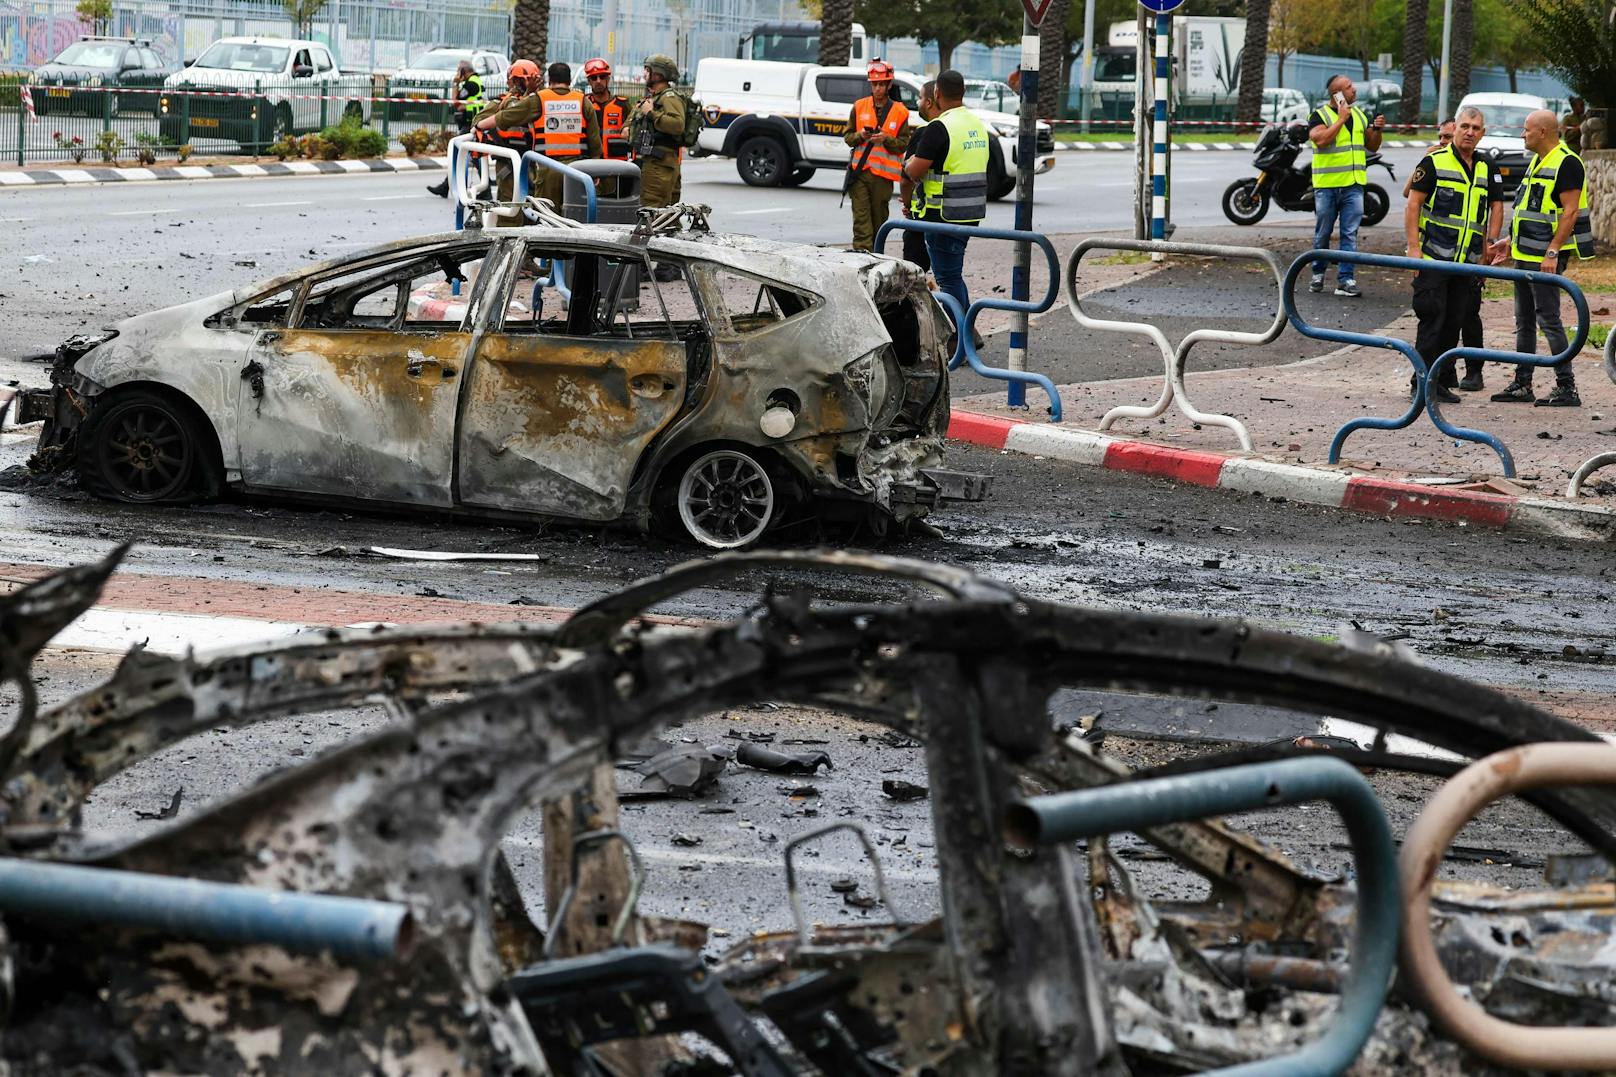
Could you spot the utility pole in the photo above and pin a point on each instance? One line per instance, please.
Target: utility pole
(1447, 45)
(1085, 80)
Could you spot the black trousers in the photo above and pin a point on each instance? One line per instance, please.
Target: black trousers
(914, 249)
(1448, 306)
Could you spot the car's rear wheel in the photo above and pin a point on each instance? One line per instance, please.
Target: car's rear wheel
(762, 161)
(142, 447)
(726, 499)
(799, 177)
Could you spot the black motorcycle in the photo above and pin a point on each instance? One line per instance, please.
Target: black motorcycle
(1246, 201)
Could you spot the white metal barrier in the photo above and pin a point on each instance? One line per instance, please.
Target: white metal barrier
(478, 158)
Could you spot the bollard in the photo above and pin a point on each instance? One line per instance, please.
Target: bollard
(1135, 805)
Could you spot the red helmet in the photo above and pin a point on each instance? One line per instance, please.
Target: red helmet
(878, 71)
(597, 66)
(524, 69)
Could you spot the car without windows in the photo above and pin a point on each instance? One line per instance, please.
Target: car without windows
(534, 371)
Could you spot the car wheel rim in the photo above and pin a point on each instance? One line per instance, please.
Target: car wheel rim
(146, 454)
(759, 164)
(726, 500)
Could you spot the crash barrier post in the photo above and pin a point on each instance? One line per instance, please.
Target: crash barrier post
(965, 321)
(1152, 802)
(348, 928)
(1426, 380)
(572, 176)
(1461, 797)
(1604, 459)
(1174, 360)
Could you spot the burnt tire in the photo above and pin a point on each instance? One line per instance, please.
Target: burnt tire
(1243, 203)
(144, 447)
(762, 161)
(1375, 205)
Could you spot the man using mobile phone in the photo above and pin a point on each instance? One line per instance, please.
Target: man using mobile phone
(877, 131)
(1343, 137)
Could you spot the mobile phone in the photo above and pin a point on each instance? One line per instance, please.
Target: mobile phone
(1340, 99)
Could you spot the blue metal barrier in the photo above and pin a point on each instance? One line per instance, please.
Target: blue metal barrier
(1424, 397)
(1151, 802)
(534, 157)
(349, 928)
(965, 321)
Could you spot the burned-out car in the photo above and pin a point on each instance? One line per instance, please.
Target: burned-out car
(537, 370)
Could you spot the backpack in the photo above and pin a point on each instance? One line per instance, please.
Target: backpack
(695, 121)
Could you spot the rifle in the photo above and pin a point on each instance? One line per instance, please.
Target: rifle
(854, 170)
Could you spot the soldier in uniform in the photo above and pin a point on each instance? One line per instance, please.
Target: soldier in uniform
(877, 131)
(566, 129)
(656, 127)
(509, 120)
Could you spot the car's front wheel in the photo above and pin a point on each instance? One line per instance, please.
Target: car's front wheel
(143, 447)
(726, 499)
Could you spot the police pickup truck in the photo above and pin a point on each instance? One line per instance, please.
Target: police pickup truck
(782, 121)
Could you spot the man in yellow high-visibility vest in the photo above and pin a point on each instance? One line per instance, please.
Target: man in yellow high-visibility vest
(950, 164)
(1342, 139)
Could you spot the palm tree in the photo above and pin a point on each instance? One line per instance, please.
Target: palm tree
(1414, 59)
(530, 30)
(1051, 53)
(835, 33)
(1253, 62)
(1464, 47)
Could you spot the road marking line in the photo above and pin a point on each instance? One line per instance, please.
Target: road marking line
(385, 197)
(139, 212)
(755, 212)
(266, 205)
(14, 220)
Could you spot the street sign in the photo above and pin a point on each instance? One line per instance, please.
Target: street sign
(1035, 10)
(1160, 7)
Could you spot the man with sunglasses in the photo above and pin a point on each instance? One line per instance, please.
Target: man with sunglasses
(613, 109)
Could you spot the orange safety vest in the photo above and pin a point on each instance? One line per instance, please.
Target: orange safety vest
(613, 118)
(880, 161)
(558, 129)
(519, 138)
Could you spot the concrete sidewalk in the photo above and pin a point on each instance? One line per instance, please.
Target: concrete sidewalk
(1293, 411)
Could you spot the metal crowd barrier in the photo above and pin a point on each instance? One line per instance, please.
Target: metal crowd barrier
(965, 321)
(1173, 360)
(1136, 805)
(1455, 804)
(573, 175)
(349, 928)
(462, 151)
(1604, 459)
(1423, 397)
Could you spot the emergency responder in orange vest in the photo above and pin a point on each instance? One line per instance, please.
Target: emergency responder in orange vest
(508, 121)
(612, 108)
(877, 130)
(566, 129)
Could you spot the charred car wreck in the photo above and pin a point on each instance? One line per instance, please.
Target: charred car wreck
(1045, 959)
(534, 371)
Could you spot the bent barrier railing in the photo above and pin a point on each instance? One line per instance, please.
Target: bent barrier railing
(465, 152)
(1151, 802)
(1455, 804)
(1174, 360)
(1604, 459)
(571, 175)
(965, 349)
(1423, 397)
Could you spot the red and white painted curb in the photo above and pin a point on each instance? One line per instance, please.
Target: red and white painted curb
(1294, 482)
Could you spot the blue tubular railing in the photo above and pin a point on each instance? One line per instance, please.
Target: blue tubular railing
(534, 157)
(348, 928)
(1153, 802)
(1424, 399)
(965, 348)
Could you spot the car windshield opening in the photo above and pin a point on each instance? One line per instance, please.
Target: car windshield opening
(1506, 120)
(91, 54)
(243, 56)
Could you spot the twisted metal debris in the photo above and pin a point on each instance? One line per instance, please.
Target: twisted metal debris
(1027, 971)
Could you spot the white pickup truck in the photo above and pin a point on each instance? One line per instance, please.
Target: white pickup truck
(287, 77)
(782, 121)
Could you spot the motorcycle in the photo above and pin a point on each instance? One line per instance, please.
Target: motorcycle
(1246, 201)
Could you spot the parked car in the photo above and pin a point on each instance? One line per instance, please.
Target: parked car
(1504, 144)
(1381, 96)
(991, 96)
(430, 75)
(783, 121)
(771, 381)
(1281, 104)
(99, 61)
(289, 86)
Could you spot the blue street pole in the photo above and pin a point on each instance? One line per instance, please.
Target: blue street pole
(1158, 159)
(1026, 157)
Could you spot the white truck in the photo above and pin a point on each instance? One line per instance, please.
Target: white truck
(783, 121)
(286, 79)
(1206, 59)
(794, 42)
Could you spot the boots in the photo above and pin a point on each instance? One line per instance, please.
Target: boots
(1563, 395)
(441, 188)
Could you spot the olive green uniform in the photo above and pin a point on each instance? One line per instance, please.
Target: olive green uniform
(510, 113)
(870, 194)
(655, 140)
(547, 182)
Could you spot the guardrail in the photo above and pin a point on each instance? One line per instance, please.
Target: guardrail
(1455, 804)
(1136, 805)
(350, 928)
(1423, 397)
(1174, 359)
(462, 151)
(1598, 460)
(965, 320)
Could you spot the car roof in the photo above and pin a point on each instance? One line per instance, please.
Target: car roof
(1495, 98)
(258, 40)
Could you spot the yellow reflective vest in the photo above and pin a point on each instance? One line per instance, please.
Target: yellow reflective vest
(1453, 220)
(1343, 163)
(1537, 213)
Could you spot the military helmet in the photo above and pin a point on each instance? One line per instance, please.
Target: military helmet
(663, 65)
